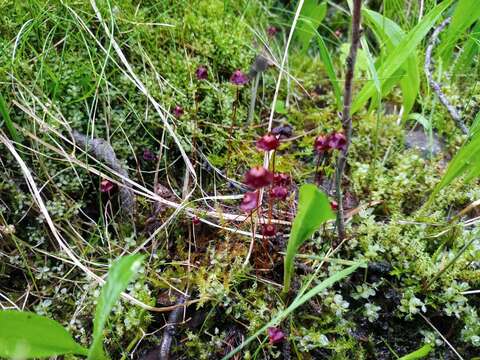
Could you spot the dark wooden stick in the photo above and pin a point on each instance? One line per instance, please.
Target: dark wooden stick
(169, 332)
(346, 116)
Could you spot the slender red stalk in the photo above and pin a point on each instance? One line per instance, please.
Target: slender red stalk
(270, 200)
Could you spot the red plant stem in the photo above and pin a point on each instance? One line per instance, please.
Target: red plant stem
(320, 161)
(253, 226)
(346, 116)
(270, 200)
(259, 206)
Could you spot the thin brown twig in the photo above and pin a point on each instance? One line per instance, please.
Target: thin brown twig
(346, 116)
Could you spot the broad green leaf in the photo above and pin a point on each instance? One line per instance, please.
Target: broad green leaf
(299, 301)
(327, 61)
(400, 53)
(311, 16)
(28, 335)
(418, 354)
(465, 14)
(313, 210)
(119, 277)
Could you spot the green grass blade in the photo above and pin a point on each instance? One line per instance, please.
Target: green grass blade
(470, 50)
(397, 57)
(327, 61)
(8, 121)
(295, 304)
(422, 120)
(475, 126)
(313, 210)
(311, 16)
(465, 14)
(465, 162)
(28, 335)
(418, 354)
(410, 86)
(371, 66)
(391, 34)
(119, 277)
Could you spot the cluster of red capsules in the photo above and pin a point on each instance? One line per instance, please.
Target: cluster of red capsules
(324, 144)
(260, 177)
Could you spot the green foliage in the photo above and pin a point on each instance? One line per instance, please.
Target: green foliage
(465, 14)
(475, 127)
(397, 57)
(297, 302)
(418, 354)
(329, 68)
(280, 107)
(8, 121)
(390, 34)
(311, 15)
(313, 210)
(120, 274)
(28, 335)
(466, 162)
(470, 49)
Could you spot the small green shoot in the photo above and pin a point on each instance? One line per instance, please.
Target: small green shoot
(119, 276)
(418, 354)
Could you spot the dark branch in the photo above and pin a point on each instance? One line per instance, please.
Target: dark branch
(346, 116)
